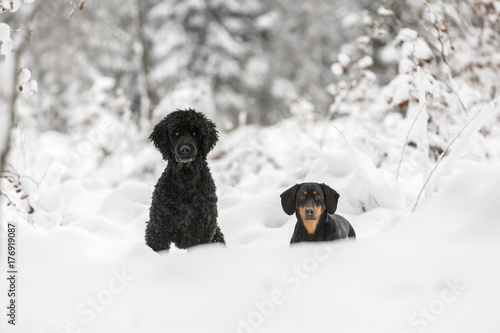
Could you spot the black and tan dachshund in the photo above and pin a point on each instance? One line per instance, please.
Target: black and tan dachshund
(314, 205)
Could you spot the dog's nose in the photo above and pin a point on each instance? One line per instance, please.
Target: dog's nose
(185, 150)
(309, 211)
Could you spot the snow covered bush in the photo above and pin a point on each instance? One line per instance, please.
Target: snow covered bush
(438, 50)
(403, 114)
(17, 81)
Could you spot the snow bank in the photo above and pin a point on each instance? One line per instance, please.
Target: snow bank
(435, 271)
(84, 267)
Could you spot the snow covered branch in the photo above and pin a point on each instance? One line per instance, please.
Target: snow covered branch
(16, 79)
(489, 107)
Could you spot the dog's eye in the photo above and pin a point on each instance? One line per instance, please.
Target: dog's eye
(194, 133)
(302, 197)
(317, 197)
(177, 133)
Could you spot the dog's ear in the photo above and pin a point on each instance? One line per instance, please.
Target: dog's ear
(161, 140)
(331, 199)
(288, 199)
(211, 136)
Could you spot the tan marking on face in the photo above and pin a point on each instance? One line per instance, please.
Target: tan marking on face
(312, 223)
(305, 192)
(314, 192)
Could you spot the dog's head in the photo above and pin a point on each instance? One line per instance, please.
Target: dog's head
(309, 200)
(184, 135)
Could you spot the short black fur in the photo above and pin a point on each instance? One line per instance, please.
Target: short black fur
(309, 197)
(184, 204)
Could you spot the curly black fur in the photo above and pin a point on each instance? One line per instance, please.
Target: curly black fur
(184, 204)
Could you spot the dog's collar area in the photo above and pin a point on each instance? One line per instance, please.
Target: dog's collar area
(310, 226)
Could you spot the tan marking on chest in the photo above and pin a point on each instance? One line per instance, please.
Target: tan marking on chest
(311, 224)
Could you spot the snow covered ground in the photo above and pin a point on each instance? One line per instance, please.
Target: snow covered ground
(83, 265)
(78, 201)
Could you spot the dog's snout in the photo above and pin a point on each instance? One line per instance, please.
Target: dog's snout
(185, 150)
(309, 210)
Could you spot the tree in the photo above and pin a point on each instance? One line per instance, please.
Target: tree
(18, 81)
(256, 56)
(208, 44)
(142, 62)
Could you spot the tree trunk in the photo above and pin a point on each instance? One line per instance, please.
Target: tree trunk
(142, 62)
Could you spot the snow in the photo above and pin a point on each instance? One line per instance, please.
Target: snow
(432, 270)
(365, 62)
(337, 69)
(83, 265)
(344, 59)
(442, 258)
(267, 21)
(5, 41)
(5, 71)
(255, 72)
(382, 11)
(188, 94)
(411, 47)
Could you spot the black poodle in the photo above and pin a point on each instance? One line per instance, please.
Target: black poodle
(184, 205)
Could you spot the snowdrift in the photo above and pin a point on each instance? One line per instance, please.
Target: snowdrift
(435, 271)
